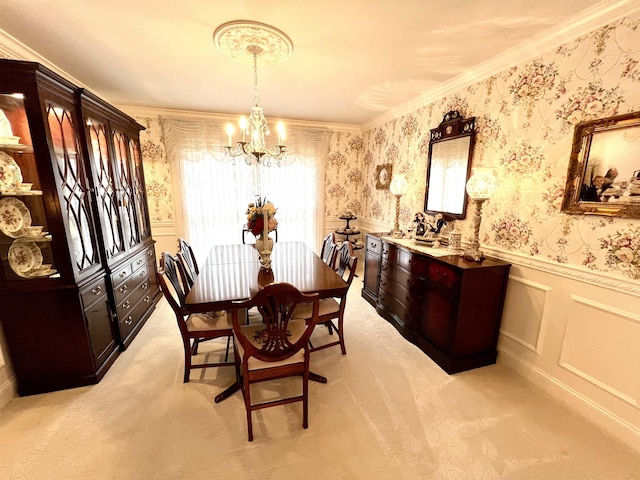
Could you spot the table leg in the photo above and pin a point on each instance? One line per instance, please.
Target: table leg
(228, 392)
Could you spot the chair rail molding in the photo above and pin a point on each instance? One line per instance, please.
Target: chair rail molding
(601, 279)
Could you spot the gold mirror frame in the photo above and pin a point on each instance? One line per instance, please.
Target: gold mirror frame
(383, 176)
(619, 137)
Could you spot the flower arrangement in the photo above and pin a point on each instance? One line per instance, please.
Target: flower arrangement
(255, 216)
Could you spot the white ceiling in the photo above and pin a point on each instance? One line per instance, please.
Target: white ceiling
(352, 61)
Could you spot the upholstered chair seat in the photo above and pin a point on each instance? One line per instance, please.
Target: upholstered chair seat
(254, 333)
(198, 322)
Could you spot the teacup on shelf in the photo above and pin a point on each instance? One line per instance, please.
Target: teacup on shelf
(24, 187)
(33, 231)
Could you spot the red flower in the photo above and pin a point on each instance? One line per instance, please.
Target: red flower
(257, 226)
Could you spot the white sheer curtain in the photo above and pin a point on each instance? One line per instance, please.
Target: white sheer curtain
(212, 193)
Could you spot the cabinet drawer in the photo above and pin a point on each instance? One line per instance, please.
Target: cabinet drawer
(129, 302)
(374, 245)
(129, 285)
(139, 261)
(129, 320)
(93, 292)
(408, 310)
(121, 275)
(412, 283)
(443, 275)
(399, 257)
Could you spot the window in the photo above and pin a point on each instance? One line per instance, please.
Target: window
(214, 192)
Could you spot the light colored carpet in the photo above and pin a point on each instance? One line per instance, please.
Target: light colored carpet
(388, 412)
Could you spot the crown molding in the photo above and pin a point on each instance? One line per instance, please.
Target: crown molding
(586, 21)
(223, 117)
(13, 48)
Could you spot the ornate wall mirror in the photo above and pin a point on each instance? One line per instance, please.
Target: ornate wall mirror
(450, 151)
(604, 169)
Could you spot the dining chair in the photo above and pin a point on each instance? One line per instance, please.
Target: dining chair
(194, 327)
(190, 271)
(331, 309)
(276, 348)
(329, 247)
(188, 260)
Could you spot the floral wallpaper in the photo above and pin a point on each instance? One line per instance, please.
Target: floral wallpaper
(525, 117)
(157, 172)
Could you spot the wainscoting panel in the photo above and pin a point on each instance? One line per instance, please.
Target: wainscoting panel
(601, 346)
(164, 233)
(524, 310)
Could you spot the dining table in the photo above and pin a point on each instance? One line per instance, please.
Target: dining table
(231, 273)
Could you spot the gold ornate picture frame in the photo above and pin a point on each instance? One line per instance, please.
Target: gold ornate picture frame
(605, 148)
(383, 176)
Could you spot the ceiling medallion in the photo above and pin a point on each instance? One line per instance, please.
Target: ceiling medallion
(241, 40)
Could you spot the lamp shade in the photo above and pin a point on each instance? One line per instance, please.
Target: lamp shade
(482, 183)
(398, 185)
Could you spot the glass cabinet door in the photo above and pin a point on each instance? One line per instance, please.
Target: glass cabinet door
(71, 177)
(127, 196)
(105, 188)
(139, 193)
(25, 243)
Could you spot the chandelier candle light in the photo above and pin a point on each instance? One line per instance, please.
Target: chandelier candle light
(249, 42)
(398, 187)
(480, 188)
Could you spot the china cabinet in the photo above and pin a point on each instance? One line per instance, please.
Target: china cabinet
(74, 229)
(447, 306)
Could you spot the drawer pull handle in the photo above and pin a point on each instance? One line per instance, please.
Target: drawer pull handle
(144, 286)
(123, 289)
(126, 305)
(123, 274)
(96, 290)
(146, 299)
(128, 320)
(139, 262)
(442, 274)
(142, 274)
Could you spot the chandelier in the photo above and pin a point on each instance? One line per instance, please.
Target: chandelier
(253, 42)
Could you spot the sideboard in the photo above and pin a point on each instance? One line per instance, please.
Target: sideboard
(447, 306)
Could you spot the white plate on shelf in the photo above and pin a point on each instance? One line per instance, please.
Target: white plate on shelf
(25, 258)
(10, 173)
(14, 216)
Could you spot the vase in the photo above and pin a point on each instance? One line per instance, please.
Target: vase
(264, 248)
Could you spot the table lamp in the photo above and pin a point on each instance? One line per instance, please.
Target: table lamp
(398, 187)
(480, 188)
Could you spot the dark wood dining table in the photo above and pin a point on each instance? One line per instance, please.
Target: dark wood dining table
(233, 272)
